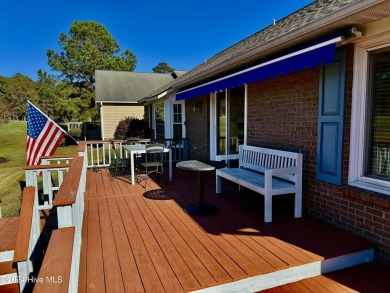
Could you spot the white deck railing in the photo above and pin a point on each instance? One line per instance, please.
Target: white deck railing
(100, 154)
(70, 210)
(63, 181)
(50, 177)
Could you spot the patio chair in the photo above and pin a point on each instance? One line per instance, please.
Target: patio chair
(153, 162)
(116, 161)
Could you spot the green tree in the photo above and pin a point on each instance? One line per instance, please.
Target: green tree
(5, 102)
(87, 47)
(163, 67)
(20, 89)
(54, 98)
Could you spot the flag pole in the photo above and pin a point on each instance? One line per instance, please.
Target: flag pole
(66, 133)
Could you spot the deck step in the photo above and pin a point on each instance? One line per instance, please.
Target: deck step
(9, 288)
(370, 277)
(295, 274)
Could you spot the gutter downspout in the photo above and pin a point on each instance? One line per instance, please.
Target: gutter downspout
(101, 120)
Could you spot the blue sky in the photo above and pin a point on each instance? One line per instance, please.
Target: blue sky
(181, 33)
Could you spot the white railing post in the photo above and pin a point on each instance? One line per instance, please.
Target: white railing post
(64, 216)
(70, 210)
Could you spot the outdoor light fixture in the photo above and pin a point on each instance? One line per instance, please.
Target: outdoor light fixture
(198, 106)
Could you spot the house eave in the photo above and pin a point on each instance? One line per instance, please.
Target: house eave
(117, 102)
(155, 97)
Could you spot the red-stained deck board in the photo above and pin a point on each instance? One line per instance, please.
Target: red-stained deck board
(8, 232)
(112, 272)
(131, 278)
(95, 269)
(177, 263)
(187, 253)
(83, 252)
(162, 266)
(145, 266)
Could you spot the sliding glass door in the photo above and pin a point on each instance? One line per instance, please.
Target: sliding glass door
(230, 120)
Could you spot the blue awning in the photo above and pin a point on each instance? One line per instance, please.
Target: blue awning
(310, 57)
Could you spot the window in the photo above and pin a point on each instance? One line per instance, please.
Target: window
(168, 119)
(227, 121)
(369, 162)
(378, 111)
(159, 121)
(177, 121)
(230, 123)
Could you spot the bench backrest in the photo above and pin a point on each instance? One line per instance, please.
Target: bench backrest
(259, 159)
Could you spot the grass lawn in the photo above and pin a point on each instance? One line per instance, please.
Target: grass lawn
(13, 138)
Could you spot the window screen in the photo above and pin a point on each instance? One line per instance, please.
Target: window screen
(177, 121)
(160, 121)
(378, 156)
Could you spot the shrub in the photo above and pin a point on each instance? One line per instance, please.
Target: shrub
(122, 127)
(138, 128)
(75, 133)
(132, 127)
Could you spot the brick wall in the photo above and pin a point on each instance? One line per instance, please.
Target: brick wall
(283, 113)
(198, 128)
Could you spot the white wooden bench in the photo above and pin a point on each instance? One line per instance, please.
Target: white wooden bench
(266, 171)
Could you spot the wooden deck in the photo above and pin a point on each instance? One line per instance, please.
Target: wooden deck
(139, 239)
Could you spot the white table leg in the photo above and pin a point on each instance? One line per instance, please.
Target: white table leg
(170, 165)
(132, 168)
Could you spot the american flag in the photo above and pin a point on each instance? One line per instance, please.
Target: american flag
(43, 135)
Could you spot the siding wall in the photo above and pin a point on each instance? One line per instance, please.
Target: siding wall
(113, 113)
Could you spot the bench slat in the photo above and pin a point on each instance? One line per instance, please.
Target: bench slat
(254, 178)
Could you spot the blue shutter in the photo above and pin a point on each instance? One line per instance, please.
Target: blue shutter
(331, 120)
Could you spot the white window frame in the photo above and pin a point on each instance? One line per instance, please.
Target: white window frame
(358, 117)
(213, 121)
(154, 125)
(168, 117)
(173, 103)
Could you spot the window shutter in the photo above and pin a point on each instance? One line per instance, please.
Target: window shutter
(331, 120)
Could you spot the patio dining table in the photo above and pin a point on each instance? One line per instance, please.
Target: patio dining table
(136, 149)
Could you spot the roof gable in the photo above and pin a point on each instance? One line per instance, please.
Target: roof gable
(127, 87)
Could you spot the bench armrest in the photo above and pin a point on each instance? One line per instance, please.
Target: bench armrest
(227, 157)
(283, 171)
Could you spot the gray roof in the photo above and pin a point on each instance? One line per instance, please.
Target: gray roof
(127, 87)
(178, 73)
(315, 20)
(153, 95)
